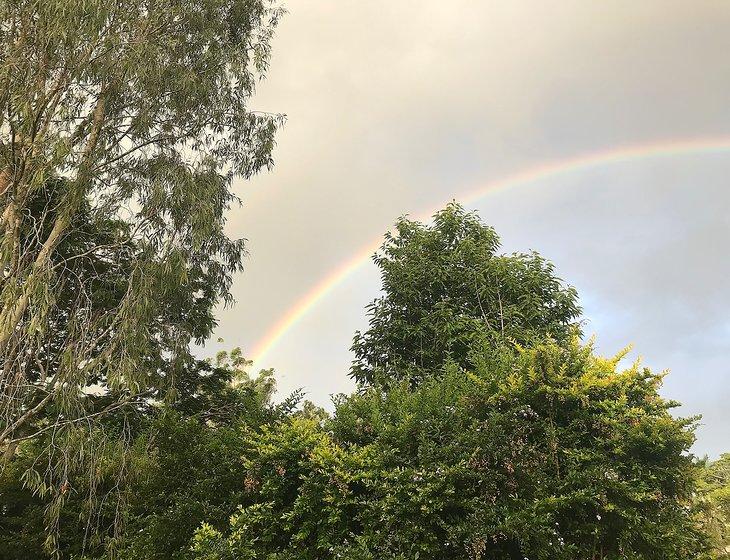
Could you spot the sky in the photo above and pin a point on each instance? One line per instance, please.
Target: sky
(395, 107)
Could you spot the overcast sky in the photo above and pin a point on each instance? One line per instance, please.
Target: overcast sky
(394, 106)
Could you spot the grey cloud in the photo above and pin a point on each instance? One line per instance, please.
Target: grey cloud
(395, 106)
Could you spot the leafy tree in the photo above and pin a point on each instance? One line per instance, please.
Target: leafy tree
(184, 463)
(482, 429)
(545, 453)
(141, 108)
(196, 445)
(22, 528)
(446, 287)
(99, 257)
(713, 497)
(122, 125)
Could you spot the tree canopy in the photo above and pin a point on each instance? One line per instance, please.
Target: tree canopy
(482, 427)
(545, 453)
(444, 287)
(524, 444)
(179, 469)
(713, 496)
(137, 113)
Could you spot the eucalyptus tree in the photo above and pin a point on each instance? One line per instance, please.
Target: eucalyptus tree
(186, 463)
(141, 109)
(138, 112)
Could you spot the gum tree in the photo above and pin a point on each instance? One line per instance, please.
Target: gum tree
(122, 126)
(140, 109)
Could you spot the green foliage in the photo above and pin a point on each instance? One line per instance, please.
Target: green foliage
(445, 289)
(192, 478)
(82, 512)
(99, 258)
(713, 497)
(547, 453)
(182, 467)
(196, 474)
(482, 430)
(140, 109)
(122, 125)
(22, 530)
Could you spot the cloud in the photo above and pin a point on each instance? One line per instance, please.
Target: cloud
(395, 105)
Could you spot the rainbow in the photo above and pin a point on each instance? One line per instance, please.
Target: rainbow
(547, 170)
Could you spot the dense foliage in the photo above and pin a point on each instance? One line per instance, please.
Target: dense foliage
(483, 443)
(713, 497)
(482, 428)
(182, 469)
(546, 453)
(136, 114)
(445, 287)
(503, 450)
(539, 450)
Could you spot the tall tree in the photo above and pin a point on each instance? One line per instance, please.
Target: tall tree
(482, 430)
(138, 109)
(446, 288)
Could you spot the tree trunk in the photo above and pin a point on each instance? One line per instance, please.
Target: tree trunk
(10, 319)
